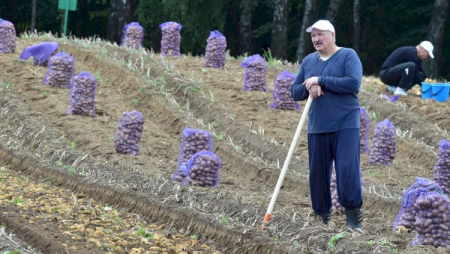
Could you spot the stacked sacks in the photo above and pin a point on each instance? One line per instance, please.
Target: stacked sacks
(41, 52)
(215, 50)
(202, 169)
(82, 94)
(133, 35)
(7, 37)
(255, 73)
(192, 142)
(384, 144)
(442, 167)
(171, 38)
(406, 217)
(282, 98)
(60, 70)
(336, 206)
(364, 129)
(129, 133)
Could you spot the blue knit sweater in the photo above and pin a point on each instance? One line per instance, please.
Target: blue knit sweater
(340, 78)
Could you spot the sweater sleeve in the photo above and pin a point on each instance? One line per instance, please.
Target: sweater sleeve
(350, 82)
(298, 90)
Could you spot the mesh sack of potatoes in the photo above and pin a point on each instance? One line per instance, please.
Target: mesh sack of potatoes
(282, 97)
(384, 144)
(133, 35)
(171, 38)
(192, 142)
(432, 218)
(255, 73)
(406, 217)
(41, 52)
(82, 94)
(215, 50)
(60, 70)
(336, 206)
(364, 129)
(202, 169)
(442, 168)
(129, 133)
(7, 37)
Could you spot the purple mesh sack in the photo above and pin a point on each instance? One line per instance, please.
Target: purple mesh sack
(7, 37)
(442, 168)
(282, 98)
(384, 144)
(215, 50)
(129, 133)
(202, 169)
(133, 35)
(60, 70)
(82, 94)
(192, 142)
(406, 217)
(364, 129)
(336, 206)
(432, 219)
(171, 38)
(41, 52)
(255, 73)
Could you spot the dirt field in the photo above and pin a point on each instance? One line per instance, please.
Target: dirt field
(40, 140)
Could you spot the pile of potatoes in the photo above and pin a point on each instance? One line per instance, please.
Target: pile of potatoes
(336, 206)
(432, 219)
(60, 70)
(384, 144)
(442, 167)
(202, 169)
(82, 94)
(129, 133)
(7, 37)
(133, 35)
(364, 129)
(255, 73)
(282, 97)
(192, 142)
(215, 50)
(171, 38)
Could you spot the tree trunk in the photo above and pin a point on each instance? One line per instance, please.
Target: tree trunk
(33, 16)
(356, 25)
(278, 41)
(245, 27)
(435, 35)
(119, 15)
(302, 40)
(333, 11)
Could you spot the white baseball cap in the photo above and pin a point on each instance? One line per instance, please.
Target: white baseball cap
(322, 24)
(428, 47)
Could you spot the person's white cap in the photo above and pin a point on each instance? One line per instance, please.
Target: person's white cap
(428, 47)
(323, 25)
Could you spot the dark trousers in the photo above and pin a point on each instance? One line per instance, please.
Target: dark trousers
(401, 75)
(342, 147)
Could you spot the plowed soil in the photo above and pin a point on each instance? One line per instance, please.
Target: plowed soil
(76, 153)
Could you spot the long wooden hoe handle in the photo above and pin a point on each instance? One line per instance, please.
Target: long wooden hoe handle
(287, 162)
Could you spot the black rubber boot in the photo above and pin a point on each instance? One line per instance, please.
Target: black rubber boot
(354, 219)
(325, 218)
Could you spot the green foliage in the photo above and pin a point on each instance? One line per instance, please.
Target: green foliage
(143, 232)
(18, 201)
(335, 239)
(12, 252)
(224, 220)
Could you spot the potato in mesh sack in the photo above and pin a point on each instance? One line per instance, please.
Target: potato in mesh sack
(442, 168)
(41, 52)
(202, 169)
(171, 38)
(255, 73)
(7, 37)
(129, 133)
(60, 70)
(215, 50)
(384, 144)
(282, 97)
(336, 205)
(133, 35)
(364, 129)
(82, 94)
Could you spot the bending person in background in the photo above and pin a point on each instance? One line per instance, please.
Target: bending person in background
(332, 76)
(403, 67)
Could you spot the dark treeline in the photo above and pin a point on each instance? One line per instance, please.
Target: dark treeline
(253, 26)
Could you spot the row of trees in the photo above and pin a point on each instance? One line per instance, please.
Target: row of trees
(372, 27)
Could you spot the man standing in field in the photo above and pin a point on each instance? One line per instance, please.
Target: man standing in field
(403, 67)
(332, 76)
